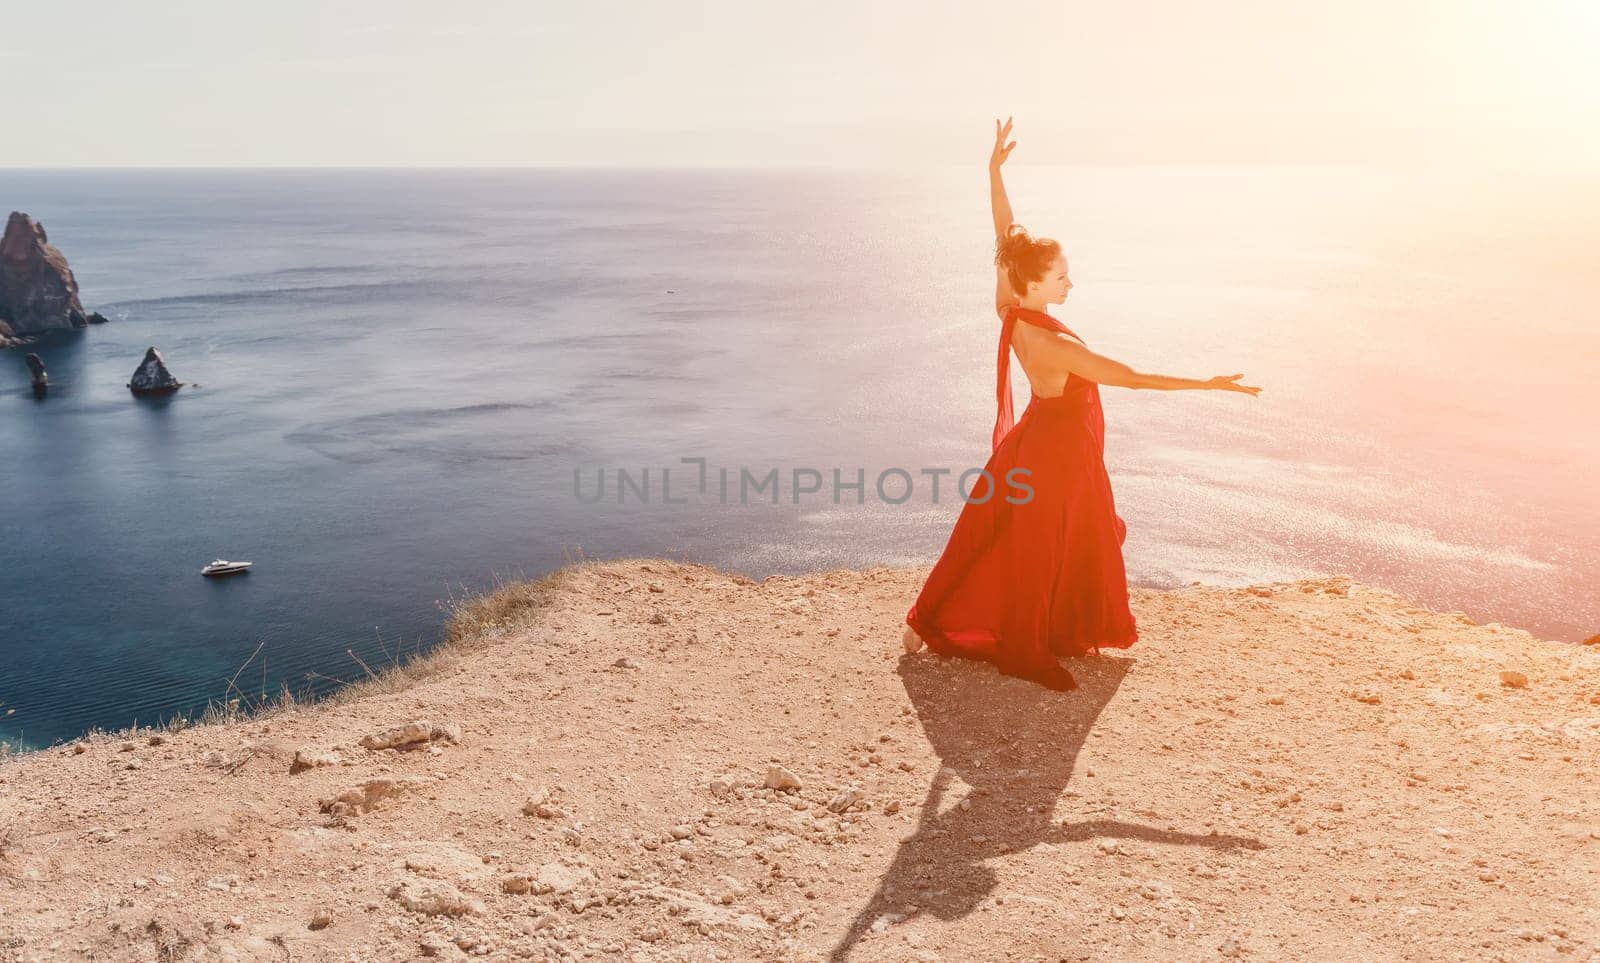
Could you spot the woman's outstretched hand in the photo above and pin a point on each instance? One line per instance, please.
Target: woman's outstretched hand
(1229, 383)
(1001, 149)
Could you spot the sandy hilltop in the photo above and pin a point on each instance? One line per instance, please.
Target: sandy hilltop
(647, 760)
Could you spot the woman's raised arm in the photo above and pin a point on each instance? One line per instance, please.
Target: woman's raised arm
(1000, 207)
(998, 204)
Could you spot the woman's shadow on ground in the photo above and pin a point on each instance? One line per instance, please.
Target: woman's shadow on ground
(1015, 744)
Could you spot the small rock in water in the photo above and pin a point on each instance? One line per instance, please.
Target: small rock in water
(37, 374)
(152, 376)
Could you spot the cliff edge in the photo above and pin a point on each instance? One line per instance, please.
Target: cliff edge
(647, 760)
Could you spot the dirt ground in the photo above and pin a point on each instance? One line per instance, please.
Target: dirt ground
(1315, 770)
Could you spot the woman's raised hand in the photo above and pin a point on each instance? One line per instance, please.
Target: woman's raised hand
(1229, 383)
(1001, 149)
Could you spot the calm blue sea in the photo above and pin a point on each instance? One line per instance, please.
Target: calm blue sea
(396, 374)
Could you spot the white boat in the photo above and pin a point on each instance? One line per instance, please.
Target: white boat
(222, 566)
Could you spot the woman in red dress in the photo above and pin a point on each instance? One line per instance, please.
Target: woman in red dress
(1033, 570)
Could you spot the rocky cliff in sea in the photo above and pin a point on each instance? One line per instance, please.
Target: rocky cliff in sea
(37, 290)
(152, 376)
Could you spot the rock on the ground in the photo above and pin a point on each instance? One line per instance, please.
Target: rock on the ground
(152, 376)
(551, 878)
(780, 778)
(411, 735)
(846, 797)
(443, 860)
(541, 803)
(37, 290)
(407, 734)
(311, 759)
(365, 797)
(560, 878)
(433, 897)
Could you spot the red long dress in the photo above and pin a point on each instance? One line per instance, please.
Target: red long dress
(1020, 584)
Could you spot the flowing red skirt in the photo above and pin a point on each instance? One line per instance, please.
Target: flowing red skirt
(1022, 584)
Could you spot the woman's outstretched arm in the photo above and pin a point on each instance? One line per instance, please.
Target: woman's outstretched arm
(1072, 355)
(1000, 207)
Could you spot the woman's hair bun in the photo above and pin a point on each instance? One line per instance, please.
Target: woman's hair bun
(1024, 257)
(1012, 245)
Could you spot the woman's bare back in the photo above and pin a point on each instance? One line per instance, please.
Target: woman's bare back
(1046, 380)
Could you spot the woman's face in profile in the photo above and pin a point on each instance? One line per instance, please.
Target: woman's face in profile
(1055, 284)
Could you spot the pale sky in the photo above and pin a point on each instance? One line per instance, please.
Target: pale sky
(802, 82)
